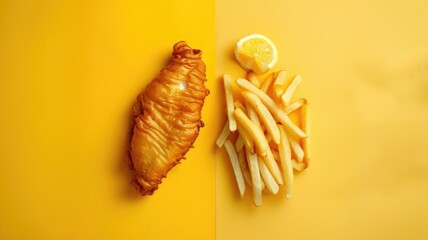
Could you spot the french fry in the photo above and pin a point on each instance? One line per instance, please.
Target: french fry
(223, 135)
(235, 165)
(267, 177)
(248, 141)
(295, 105)
(298, 166)
(238, 104)
(273, 166)
(244, 167)
(286, 164)
(286, 97)
(239, 144)
(264, 114)
(252, 130)
(240, 141)
(279, 84)
(267, 82)
(229, 102)
(296, 149)
(275, 154)
(276, 111)
(255, 177)
(270, 161)
(263, 184)
(306, 126)
(251, 76)
(253, 115)
(269, 147)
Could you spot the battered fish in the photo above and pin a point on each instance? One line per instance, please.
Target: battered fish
(168, 118)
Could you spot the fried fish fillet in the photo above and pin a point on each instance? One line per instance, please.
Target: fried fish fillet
(167, 118)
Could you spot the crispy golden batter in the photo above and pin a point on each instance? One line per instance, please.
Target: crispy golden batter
(168, 118)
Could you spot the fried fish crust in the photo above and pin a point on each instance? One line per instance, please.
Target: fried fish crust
(167, 118)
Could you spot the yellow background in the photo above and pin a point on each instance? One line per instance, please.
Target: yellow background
(364, 66)
(70, 72)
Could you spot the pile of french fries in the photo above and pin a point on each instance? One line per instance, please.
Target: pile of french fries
(269, 146)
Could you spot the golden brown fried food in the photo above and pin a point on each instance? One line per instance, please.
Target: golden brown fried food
(168, 118)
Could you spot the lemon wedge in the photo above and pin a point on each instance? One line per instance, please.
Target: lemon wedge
(256, 52)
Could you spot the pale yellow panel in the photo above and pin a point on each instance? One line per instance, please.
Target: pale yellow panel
(69, 74)
(364, 66)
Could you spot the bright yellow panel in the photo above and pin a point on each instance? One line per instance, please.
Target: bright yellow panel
(364, 66)
(69, 74)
